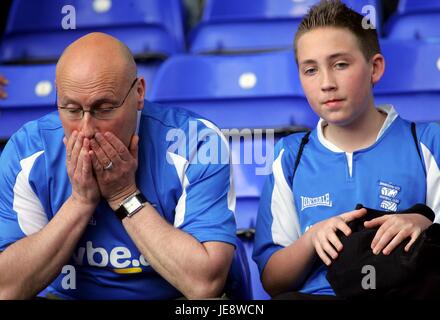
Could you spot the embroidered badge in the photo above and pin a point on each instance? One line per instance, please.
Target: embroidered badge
(388, 193)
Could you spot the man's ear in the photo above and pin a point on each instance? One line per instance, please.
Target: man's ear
(140, 93)
(378, 68)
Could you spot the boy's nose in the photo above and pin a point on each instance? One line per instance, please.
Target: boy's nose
(328, 82)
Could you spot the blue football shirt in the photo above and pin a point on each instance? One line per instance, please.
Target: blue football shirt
(183, 171)
(389, 175)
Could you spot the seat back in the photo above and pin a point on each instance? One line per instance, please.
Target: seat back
(413, 6)
(238, 284)
(31, 94)
(415, 19)
(40, 30)
(236, 91)
(414, 89)
(258, 25)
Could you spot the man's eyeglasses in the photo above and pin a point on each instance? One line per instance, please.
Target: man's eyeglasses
(104, 111)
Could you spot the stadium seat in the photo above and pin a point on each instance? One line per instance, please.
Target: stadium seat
(238, 284)
(415, 19)
(258, 292)
(31, 94)
(243, 91)
(252, 157)
(412, 79)
(148, 70)
(255, 25)
(36, 31)
(248, 186)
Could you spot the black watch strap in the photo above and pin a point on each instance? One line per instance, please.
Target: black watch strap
(122, 213)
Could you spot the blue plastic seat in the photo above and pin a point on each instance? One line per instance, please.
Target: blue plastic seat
(244, 91)
(258, 292)
(34, 31)
(31, 94)
(412, 79)
(412, 6)
(238, 284)
(255, 25)
(415, 19)
(148, 70)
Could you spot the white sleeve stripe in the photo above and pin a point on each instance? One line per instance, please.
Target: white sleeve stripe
(231, 192)
(285, 225)
(211, 126)
(181, 164)
(30, 213)
(432, 182)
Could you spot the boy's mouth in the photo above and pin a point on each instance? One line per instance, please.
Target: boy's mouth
(333, 102)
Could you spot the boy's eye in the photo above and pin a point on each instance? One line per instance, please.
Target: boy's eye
(309, 71)
(341, 65)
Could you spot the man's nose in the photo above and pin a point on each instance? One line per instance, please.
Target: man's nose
(88, 126)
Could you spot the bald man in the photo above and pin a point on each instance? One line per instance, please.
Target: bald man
(96, 202)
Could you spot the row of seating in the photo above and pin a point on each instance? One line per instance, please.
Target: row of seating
(237, 91)
(39, 31)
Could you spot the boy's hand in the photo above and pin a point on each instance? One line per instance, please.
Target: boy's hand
(394, 228)
(324, 238)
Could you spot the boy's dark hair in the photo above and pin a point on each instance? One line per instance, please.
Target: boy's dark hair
(334, 13)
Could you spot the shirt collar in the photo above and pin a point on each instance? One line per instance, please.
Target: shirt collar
(387, 108)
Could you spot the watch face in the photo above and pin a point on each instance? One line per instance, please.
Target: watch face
(132, 204)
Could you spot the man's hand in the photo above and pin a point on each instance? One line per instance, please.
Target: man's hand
(394, 228)
(119, 181)
(3, 82)
(324, 238)
(79, 168)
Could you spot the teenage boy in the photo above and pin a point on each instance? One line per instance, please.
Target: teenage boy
(358, 153)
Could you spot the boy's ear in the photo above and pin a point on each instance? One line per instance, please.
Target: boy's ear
(378, 66)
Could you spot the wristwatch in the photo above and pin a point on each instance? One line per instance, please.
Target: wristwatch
(131, 205)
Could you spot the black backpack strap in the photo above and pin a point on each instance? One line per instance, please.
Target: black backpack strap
(416, 141)
(304, 141)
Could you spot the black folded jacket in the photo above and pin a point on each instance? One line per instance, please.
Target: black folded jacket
(413, 274)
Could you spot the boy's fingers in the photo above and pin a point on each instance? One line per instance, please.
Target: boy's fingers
(375, 222)
(383, 240)
(352, 215)
(329, 250)
(334, 240)
(411, 242)
(398, 238)
(322, 254)
(344, 228)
